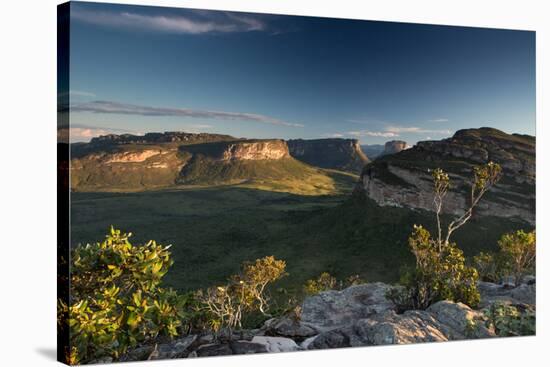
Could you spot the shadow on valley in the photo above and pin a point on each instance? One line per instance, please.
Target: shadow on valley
(213, 230)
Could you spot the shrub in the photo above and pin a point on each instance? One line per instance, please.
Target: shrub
(510, 320)
(440, 272)
(116, 298)
(245, 292)
(326, 282)
(518, 251)
(488, 266)
(438, 275)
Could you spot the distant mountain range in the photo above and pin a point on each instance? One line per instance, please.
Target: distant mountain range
(162, 160)
(399, 176)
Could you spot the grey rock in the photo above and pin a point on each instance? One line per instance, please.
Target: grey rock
(525, 293)
(491, 293)
(176, 349)
(209, 350)
(461, 320)
(288, 327)
(246, 347)
(275, 344)
(440, 322)
(332, 309)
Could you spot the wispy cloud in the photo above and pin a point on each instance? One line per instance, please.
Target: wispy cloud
(194, 23)
(83, 133)
(377, 134)
(415, 130)
(76, 93)
(439, 120)
(109, 107)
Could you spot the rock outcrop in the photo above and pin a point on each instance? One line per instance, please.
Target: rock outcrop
(354, 317)
(404, 179)
(242, 150)
(331, 309)
(394, 146)
(340, 154)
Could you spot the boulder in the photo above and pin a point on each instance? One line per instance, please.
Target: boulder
(381, 329)
(209, 350)
(333, 309)
(246, 347)
(491, 293)
(442, 321)
(175, 349)
(525, 293)
(276, 344)
(288, 327)
(461, 320)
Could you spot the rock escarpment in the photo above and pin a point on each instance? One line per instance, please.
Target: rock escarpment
(394, 146)
(340, 154)
(240, 150)
(404, 179)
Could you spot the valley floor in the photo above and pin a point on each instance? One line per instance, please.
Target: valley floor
(213, 230)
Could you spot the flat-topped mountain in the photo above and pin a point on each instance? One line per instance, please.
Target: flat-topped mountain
(167, 160)
(341, 154)
(394, 146)
(404, 179)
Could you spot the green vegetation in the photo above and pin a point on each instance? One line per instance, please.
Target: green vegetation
(117, 301)
(226, 305)
(326, 282)
(518, 251)
(116, 298)
(510, 320)
(213, 230)
(440, 272)
(282, 175)
(516, 257)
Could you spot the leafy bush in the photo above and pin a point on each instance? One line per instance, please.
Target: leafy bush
(510, 320)
(488, 266)
(441, 272)
(518, 251)
(116, 298)
(326, 282)
(438, 275)
(244, 293)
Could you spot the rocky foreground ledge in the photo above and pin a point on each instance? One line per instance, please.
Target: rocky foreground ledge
(356, 316)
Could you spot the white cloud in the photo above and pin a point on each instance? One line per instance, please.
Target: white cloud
(109, 107)
(200, 23)
(439, 120)
(379, 134)
(416, 130)
(76, 93)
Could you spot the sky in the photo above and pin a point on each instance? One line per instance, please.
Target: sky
(136, 69)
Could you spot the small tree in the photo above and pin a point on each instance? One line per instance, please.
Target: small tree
(326, 282)
(440, 271)
(484, 178)
(518, 251)
(244, 292)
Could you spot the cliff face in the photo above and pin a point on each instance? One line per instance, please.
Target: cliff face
(241, 150)
(153, 161)
(404, 179)
(394, 146)
(341, 154)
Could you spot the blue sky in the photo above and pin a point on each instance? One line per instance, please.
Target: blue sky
(140, 69)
